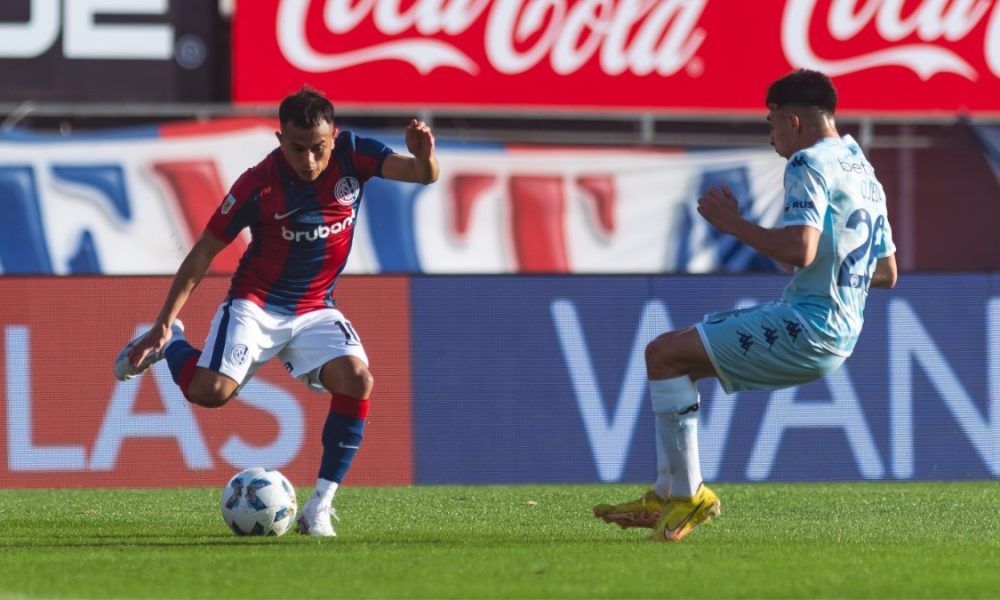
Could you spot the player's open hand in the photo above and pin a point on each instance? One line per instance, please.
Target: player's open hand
(155, 339)
(720, 207)
(419, 139)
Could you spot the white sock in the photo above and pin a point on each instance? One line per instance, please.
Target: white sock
(325, 489)
(675, 404)
(680, 433)
(662, 485)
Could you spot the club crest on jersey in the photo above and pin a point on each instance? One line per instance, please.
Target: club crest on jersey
(238, 354)
(347, 191)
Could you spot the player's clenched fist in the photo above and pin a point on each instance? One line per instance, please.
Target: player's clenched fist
(419, 139)
(719, 207)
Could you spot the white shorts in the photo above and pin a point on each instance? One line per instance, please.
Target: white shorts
(244, 336)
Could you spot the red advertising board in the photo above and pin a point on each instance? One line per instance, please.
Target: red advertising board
(896, 56)
(66, 422)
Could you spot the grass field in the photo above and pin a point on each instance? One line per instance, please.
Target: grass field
(841, 540)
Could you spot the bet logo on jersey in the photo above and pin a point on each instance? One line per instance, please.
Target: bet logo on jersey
(347, 191)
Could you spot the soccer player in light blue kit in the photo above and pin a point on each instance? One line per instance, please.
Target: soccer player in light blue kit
(835, 235)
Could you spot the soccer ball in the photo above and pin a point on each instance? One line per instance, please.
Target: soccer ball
(259, 501)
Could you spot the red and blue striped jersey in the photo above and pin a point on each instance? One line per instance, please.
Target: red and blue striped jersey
(301, 232)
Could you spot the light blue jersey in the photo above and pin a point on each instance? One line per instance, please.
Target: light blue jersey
(831, 187)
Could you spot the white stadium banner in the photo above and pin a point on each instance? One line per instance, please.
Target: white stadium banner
(133, 202)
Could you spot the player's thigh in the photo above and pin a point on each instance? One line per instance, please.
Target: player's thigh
(241, 338)
(764, 347)
(322, 337)
(677, 353)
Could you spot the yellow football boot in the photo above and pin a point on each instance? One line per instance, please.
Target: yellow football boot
(644, 512)
(681, 515)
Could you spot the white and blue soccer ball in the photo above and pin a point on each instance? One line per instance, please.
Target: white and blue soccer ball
(259, 501)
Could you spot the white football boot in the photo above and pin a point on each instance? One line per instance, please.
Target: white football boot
(124, 369)
(315, 518)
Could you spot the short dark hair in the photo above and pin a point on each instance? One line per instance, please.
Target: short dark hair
(803, 88)
(306, 108)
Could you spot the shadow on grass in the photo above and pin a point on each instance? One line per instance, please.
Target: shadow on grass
(223, 539)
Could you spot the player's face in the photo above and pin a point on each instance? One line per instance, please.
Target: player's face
(784, 130)
(307, 150)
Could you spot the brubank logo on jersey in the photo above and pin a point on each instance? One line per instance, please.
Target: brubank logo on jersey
(347, 191)
(319, 232)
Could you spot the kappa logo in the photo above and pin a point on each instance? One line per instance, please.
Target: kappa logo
(770, 336)
(793, 329)
(347, 191)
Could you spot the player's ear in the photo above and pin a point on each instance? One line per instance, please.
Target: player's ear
(795, 120)
(277, 134)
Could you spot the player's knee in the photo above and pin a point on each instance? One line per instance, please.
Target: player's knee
(362, 383)
(351, 378)
(659, 352)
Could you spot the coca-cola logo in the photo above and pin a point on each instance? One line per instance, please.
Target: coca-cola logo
(934, 23)
(639, 37)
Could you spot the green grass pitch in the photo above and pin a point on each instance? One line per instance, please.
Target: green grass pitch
(858, 540)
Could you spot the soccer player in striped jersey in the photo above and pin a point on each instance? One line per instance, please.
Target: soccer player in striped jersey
(301, 204)
(835, 235)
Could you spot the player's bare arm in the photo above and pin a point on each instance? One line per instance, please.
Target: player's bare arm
(422, 166)
(188, 276)
(885, 272)
(795, 245)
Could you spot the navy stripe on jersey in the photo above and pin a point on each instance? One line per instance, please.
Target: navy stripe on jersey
(304, 260)
(350, 245)
(367, 147)
(220, 338)
(248, 214)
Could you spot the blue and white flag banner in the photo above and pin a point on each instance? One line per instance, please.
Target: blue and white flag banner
(134, 201)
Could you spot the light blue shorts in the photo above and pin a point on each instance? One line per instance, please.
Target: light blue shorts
(765, 347)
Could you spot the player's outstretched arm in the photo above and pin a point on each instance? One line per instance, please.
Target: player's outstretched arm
(794, 245)
(422, 167)
(885, 272)
(188, 276)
